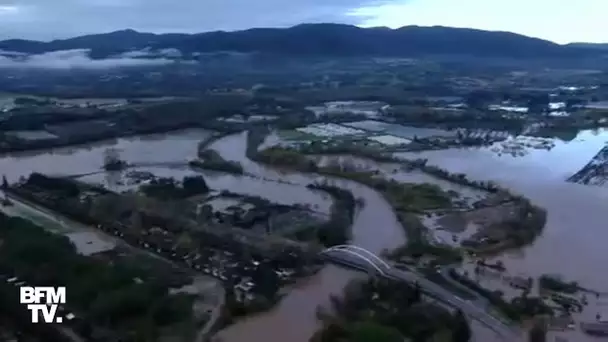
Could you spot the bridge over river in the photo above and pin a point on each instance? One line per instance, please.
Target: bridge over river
(364, 260)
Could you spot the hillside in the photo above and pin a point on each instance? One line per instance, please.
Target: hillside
(598, 46)
(319, 40)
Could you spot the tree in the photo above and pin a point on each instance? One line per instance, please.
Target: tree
(112, 161)
(416, 294)
(267, 281)
(461, 330)
(194, 185)
(373, 332)
(538, 333)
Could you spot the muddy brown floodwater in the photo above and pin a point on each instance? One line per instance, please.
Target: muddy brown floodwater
(573, 243)
(294, 318)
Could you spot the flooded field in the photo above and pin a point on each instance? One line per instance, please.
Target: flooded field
(396, 172)
(294, 319)
(573, 243)
(276, 191)
(179, 146)
(399, 130)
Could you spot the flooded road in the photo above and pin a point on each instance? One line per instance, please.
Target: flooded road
(294, 318)
(573, 243)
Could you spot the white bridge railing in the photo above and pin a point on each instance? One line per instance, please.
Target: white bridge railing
(363, 254)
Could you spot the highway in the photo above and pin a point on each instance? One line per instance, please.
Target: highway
(60, 224)
(473, 309)
(470, 308)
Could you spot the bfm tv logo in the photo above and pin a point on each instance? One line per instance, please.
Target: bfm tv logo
(43, 300)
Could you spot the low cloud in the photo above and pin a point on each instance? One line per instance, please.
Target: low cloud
(74, 59)
(147, 52)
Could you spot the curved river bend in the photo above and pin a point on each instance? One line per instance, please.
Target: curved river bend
(573, 243)
(294, 318)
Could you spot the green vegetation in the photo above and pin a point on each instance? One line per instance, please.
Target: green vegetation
(377, 310)
(215, 136)
(372, 332)
(553, 283)
(297, 135)
(169, 188)
(410, 200)
(105, 293)
(518, 309)
(405, 197)
(336, 230)
(211, 160)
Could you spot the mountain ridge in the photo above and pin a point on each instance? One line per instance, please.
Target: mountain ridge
(318, 40)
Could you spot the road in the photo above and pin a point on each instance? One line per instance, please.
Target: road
(470, 308)
(44, 216)
(473, 309)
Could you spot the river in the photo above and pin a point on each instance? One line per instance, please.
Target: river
(375, 228)
(573, 243)
(294, 318)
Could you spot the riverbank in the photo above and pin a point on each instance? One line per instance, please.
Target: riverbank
(575, 215)
(423, 198)
(84, 140)
(335, 231)
(375, 227)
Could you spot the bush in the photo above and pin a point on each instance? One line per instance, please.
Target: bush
(554, 284)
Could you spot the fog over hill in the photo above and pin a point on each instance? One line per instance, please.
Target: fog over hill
(129, 47)
(75, 59)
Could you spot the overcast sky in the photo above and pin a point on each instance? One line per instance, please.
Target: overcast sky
(560, 21)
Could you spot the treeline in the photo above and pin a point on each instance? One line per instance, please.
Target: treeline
(61, 194)
(387, 311)
(553, 283)
(147, 119)
(99, 292)
(457, 178)
(169, 188)
(336, 230)
(255, 138)
(206, 142)
(406, 199)
(410, 199)
(211, 160)
(422, 116)
(517, 310)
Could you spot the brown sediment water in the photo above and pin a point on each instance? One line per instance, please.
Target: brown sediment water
(573, 243)
(294, 319)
